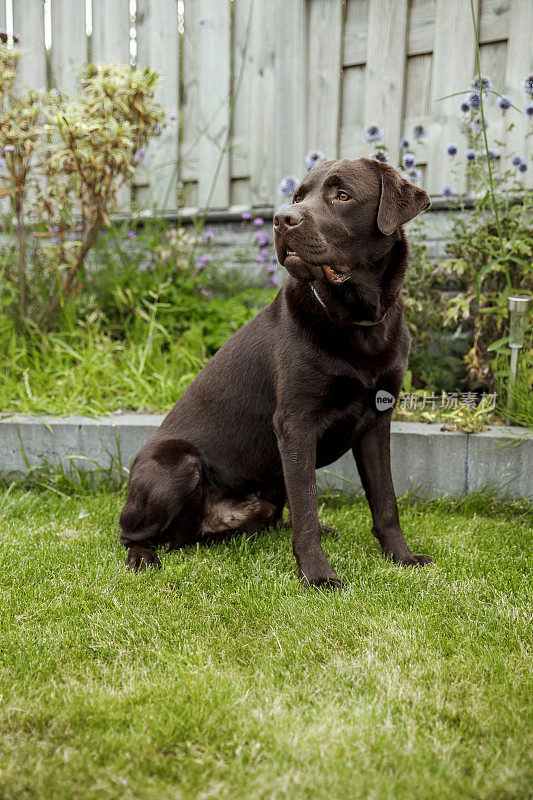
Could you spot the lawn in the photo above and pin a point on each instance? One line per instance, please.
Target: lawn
(221, 677)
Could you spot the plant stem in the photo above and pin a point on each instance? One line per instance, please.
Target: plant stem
(21, 236)
(487, 151)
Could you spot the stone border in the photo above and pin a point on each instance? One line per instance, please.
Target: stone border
(424, 457)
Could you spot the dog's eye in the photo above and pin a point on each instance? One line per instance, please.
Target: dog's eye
(297, 198)
(343, 196)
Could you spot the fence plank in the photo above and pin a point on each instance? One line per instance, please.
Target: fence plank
(111, 31)
(387, 28)
(28, 22)
(241, 132)
(324, 64)
(214, 89)
(494, 20)
(111, 42)
(290, 101)
(158, 44)
(3, 15)
(189, 108)
(453, 67)
(262, 49)
(520, 64)
(69, 42)
(421, 34)
(355, 33)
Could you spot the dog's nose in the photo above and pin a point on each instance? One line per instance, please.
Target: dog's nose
(288, 218)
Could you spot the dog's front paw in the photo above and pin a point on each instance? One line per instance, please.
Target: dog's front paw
(140, 558)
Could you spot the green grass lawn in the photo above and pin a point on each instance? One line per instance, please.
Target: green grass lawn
(221, 677)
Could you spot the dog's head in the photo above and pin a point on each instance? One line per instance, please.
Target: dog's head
(343, 218)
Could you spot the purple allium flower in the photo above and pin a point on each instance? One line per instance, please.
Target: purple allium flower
(373, 133)
(313, 158)
(73, 236)
(408, 161)
(205, 292)
(131, 235)
(527, 84)
(54, 240)
(405, 144)
(272, 267)
(275, 280)
(173, 117)
(419, 132)
(201, 21)
(474, 100)
(9, 148)
(482, 84)
(246, 215)
(529, 109)
(261, 257)
(379, 155)
(415, 175)
(522, 167)
(492, 155)
(261, 239)
(452, 149)
(504, 102)
(259, 222)
(140, 154)
(208, 235)
(470, 154)
(517, 159)
(16, 38)
(465, 105)
(3, 36)
(54, 228)
(447, 191)
(288, 186)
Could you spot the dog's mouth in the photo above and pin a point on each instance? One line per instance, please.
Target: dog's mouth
(292, 260)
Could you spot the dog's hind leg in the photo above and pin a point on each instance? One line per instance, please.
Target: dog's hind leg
(165, 487)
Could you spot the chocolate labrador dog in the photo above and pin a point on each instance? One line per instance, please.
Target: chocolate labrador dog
(296, 387)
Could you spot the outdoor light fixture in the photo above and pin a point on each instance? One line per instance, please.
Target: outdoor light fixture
(519, 306)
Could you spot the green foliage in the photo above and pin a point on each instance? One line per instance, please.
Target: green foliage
(74, 152)
(133, 336)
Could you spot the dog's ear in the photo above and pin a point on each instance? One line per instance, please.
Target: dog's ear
(399, 201)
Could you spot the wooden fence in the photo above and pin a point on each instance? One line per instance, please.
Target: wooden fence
(315, 74)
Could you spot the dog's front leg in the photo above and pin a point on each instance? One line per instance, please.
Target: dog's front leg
(297, 446)
(372, 456)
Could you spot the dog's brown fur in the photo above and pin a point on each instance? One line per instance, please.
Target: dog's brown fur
(295, 388)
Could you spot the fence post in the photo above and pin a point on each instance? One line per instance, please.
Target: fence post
(28, 23)
(385, 69)
(69, 42)
(290, 94)
(2, 15)
(158, 45)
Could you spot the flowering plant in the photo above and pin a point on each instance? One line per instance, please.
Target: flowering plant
(74, 153)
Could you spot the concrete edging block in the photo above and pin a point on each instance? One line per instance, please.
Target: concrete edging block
(424, 457)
